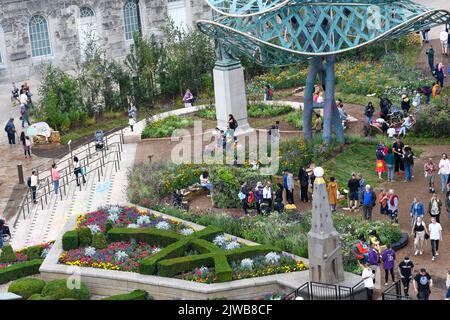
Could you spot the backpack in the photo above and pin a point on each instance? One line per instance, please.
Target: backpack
(29, 182)
(235, 124)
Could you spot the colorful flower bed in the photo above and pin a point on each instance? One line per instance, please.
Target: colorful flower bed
(124, 256)
(114, 216)
(26, 254)
(257, 266)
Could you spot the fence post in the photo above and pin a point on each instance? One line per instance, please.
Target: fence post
(118, 162)
(64, 184)
(98, 173)
(20, 173)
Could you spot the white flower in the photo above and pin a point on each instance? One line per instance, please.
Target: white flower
(114, 210)
(156, 250)
(272, 258)
(143, 220)
(204, 270)
(113, 217)
(186, 231)
(163, 225)
(121, 255)
(44, 253)
(232, 245)
(220, 241)
(89, 251)
(247, 264)
(94, 228)
(132, 226)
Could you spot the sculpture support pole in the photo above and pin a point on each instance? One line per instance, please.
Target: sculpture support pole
(308, 97)
(329, 99)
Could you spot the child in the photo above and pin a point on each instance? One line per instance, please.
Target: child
(131, 122)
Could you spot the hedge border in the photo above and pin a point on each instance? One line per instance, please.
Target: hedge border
(20, 270)
(70, 240)
(133, 295)
(149, 235)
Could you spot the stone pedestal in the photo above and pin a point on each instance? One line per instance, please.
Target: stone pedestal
(324, 247)
(230, 98)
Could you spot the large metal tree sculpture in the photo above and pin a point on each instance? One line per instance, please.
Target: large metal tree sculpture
(278, 33)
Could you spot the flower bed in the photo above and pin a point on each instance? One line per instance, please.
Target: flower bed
(254, 110)
(159, 246)
(165, 127)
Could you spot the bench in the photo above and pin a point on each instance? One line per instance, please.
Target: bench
(193, 191)
(9, 296)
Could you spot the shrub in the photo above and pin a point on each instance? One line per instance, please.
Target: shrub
(70, 240)
(259, 110)
(133, 295)
(148, 235)
(172, 267)
(8, 254)
(26, 287)
(34, 252)
(99, 241)
(58, 290)
(296, 119)
(40, 297)
(84, 237)
(20, 270)
(433, 121)
(165, 127)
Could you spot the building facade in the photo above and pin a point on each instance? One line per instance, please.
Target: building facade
(56, 31)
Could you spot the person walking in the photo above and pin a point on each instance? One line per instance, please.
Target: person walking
(267, 194)
(131, 123)
(24, 115)
(418, 231)
(368, 111)
(439, 74)
(429, 169)
(77, 170)
(232, 124)
(332, 189)
(443, 36)
(380, 164)
(406, 270)
(369, 200)
(416, 210)
(397, 149)
(435, 236)
(430, 53)
(389, 159)
(353, 185)
(188, 99)
(408, 162)
(33, 185)
(422, 284)
(393, 206)
(368, 277)
(27, 147)
(434, 207)
(303, 177)
(55, 178)
(373, 260)
(382, 200)
(11, 131)
(388, 258)
(444, 171)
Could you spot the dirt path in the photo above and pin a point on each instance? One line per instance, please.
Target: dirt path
(422, 61)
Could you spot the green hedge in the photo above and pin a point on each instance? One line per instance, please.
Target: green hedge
(84, 237)
(208, 233)
(26, 287)
(148, 235)
(58, 290)
(8, 254)
(223, 270)
(133, 295)
(70, 240)
(20, 270)
(172, 267)
(38, 296)
(34, 252)
(204, 246)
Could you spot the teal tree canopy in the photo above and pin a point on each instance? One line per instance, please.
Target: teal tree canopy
(283, 32)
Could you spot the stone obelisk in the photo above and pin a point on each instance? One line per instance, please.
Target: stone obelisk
(324, 247)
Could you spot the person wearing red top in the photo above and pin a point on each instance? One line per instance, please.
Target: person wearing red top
(55, 178)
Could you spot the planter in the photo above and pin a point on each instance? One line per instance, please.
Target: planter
(401, 243)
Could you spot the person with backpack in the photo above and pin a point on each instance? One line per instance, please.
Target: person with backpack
(406, 269)
(11, 131)
(33, 184)
(388, 258)
(368, 112)
(232, 124)
(77, 170)
(361, 250)
(188, 99)
(422, 284)
(55, 178)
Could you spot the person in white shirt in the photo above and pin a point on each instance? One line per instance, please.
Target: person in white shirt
(444, 41)
(24, 99)
(407, 124)
(435, 229)
(33, 185)
(77, 170)
(444, 170)
(131, 122)
(267, 194)
(368, 276)
(204, 182)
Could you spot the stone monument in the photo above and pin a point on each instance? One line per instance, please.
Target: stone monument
(324, 247)
(229, 89)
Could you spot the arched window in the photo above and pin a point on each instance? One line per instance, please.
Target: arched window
(132, 18)
(39, 37)
(86, 12)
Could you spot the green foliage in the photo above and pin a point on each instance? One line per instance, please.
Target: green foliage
(148, 235)
(34, 252)
(259, 110)
(26, 287)
(38, 296)
(70, 240)
(7, 254)
(172, 267)
(58, 289)
(165, 127)
(433, 121)
(20, 270)
(84, 237)
(296, 119)
(99, 241)
(133, 295)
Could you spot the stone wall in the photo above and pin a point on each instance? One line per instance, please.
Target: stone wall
(64, 23)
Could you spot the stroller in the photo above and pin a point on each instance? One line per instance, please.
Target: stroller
(6, 234)
(99, 140)
(395, 115)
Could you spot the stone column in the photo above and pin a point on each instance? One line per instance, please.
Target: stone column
(230, 97)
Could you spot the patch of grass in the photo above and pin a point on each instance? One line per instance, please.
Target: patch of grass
(351, 98)
(296, 119)
(165, 127)
(415, 140)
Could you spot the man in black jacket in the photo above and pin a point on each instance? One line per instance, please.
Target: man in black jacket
(303, 177)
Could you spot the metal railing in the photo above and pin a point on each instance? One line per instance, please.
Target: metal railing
(324, 291)
(92, 166)
(394, 292)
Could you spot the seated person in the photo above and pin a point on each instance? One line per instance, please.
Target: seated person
(391, 132)
(407, 124)
(342, 114)
(204, 182)
(381, 123)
